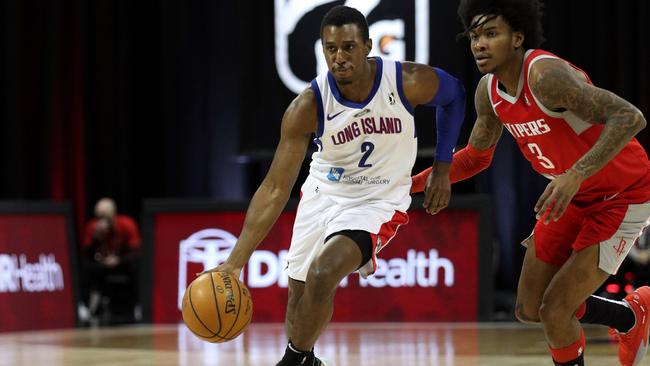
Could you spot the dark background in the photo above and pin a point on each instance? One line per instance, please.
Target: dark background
(140, 99)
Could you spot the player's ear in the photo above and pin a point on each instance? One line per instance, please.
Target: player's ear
(368, 46)
(517, 39)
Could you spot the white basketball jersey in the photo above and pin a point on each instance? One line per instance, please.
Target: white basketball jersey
(365, 150)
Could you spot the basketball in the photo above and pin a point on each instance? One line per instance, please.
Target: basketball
(217, 307)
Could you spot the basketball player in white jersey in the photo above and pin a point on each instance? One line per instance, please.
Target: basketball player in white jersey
(357, 191)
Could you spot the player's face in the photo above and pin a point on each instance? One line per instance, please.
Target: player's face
(493, 43)
(345, 51)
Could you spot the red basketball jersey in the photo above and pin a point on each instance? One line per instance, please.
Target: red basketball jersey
(553, 141)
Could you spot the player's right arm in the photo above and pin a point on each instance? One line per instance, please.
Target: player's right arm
(488, 128)
(298, 123)
(477, 155)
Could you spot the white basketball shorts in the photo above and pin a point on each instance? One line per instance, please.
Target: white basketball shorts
(319, 216)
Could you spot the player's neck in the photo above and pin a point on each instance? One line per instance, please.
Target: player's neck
(508, 74)
(358, 90)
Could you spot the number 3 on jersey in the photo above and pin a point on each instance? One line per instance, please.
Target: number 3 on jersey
(366, 149)
(543, 160)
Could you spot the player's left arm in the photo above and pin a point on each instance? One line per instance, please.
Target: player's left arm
(558, 86)
(434, 87)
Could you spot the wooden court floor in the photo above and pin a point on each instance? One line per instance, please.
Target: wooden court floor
(371, 344)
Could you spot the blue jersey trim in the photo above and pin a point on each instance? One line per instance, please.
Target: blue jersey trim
(375, 87)
(400, 88)
(319, 108)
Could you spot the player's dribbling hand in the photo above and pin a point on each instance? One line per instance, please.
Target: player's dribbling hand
(224, 267)
(437, 191)
(557, 196)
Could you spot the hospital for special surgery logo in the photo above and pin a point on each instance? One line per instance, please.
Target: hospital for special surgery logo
(399, 30)
(210, 247)
(335, 174)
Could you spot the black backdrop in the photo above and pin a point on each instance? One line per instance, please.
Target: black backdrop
(136, 99)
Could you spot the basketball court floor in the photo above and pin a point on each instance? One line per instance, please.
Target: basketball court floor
(371, 344)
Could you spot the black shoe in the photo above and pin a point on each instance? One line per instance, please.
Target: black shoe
(295, 358)
(309, 360)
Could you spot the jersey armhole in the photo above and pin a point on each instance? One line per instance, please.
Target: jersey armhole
(319, 108)
(400, 88)
(490, 78)
(539, 104)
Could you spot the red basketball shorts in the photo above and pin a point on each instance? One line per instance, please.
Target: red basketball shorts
(614, 225)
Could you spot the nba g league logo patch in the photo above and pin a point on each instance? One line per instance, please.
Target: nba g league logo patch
(399, 30)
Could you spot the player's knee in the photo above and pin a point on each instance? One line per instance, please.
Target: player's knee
(525, 316)
(322, 278)
(551, 312)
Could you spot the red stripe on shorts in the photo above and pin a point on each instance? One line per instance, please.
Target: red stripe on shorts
(386, 232)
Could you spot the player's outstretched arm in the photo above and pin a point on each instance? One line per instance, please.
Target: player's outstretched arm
(558, 86)
(424, 85)
(477, 155)
(298, 123)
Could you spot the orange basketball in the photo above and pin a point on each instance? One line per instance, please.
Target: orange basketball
(217, 307)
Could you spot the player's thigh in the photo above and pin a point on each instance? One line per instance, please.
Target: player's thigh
(549, 248)
(338, 257)
(615, 226)
(533, 281)
(576, 280)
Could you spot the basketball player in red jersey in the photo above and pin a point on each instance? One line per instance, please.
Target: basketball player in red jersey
(598, 200)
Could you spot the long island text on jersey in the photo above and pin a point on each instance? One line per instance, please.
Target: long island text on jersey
(365, 150)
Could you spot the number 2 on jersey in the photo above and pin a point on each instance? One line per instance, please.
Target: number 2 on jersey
(543, 160)
(366, 150)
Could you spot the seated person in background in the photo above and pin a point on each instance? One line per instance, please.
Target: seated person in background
(110, 249)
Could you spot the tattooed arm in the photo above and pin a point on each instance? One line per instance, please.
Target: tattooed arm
(487, 128)
(559, 86)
